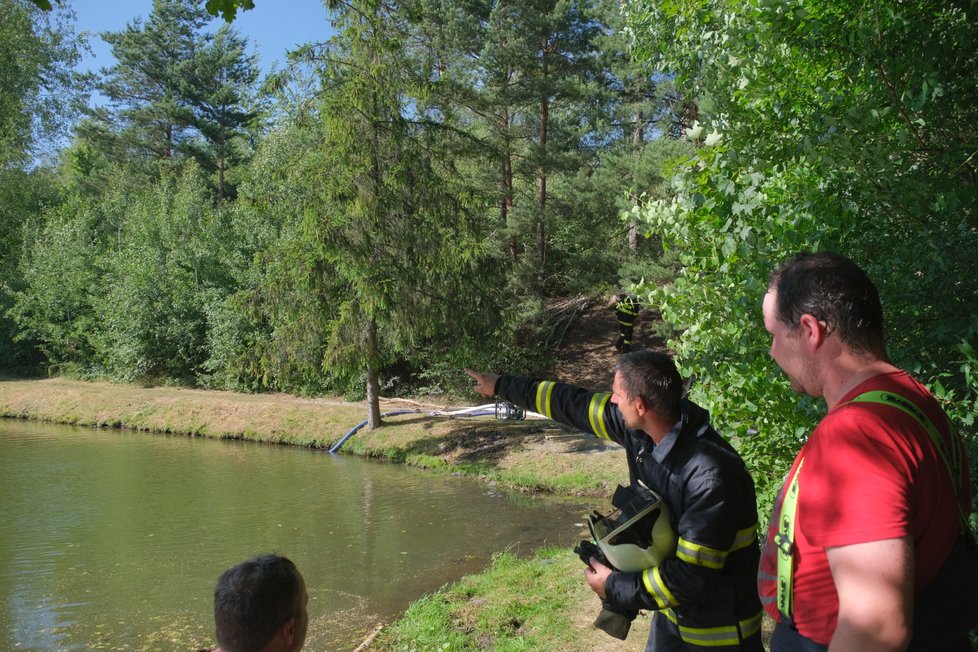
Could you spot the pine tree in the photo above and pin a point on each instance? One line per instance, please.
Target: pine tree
(176, 92)
(216, 93)
(524, 81)
(147, 119)
(395, 242)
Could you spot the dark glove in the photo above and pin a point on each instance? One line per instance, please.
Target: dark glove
(587, 549)
(614, 620)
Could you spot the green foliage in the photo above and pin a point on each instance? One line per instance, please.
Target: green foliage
(54, 306)
(961, 404)
(121, 285)
(268, 332)
(41, 92)
(175, 92)
(23, 196)
(398, 247)
(217, 93)
(534, 90)
(826, 125)
(228, 9)
(157, 280)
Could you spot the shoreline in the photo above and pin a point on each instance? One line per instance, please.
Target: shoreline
(529, 456)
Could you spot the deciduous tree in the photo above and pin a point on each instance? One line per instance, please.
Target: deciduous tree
(844, 125)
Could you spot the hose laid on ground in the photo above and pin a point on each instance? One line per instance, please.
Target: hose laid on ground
(357, 427)
(475, 411)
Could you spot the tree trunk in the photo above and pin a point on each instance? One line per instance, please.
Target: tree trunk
(220, 180)
(542, 198)
(691, 113)
(373, 378)
(638, 139)
(542, 191)
(506, 184)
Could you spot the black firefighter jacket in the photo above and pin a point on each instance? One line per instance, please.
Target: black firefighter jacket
(709, 588)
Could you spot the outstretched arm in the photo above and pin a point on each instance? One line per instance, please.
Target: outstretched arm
(485, 384)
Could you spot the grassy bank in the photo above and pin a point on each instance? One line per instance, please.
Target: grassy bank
(527, 455)
(515, 605)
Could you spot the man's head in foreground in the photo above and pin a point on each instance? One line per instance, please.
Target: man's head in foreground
(260, 606)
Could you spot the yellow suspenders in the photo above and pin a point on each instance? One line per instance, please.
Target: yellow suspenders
(951, 458)
(785, 537)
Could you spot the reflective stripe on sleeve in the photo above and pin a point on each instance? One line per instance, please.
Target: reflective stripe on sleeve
(658, 589)
(545, 390)
(700, 555)
(596, 415)
(694, 553)
(744, 538)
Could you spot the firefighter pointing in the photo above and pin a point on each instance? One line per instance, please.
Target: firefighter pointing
(691, 479)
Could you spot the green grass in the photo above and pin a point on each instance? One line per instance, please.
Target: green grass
(516, 605)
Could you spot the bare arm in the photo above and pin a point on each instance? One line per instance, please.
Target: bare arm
(485, 384)
(874, 582)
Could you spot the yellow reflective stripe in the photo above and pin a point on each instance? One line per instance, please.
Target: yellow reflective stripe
(751, 626)
(545, 389)
(744, 537)
(658, 589)
(628, 308)
(694, 553)
(710, 636)
(596, 415)
(717, 636)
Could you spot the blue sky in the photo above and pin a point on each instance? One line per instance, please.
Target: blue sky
(272, 27)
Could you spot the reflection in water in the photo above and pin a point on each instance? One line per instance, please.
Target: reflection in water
(114, 540)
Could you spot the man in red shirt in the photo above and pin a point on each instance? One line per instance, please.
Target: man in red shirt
(873, 510)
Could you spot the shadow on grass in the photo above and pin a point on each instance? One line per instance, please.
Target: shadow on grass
(487, 443)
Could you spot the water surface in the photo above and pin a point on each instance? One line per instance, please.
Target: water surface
(114, 540)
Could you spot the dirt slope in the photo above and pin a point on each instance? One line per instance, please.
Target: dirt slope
(586, 352)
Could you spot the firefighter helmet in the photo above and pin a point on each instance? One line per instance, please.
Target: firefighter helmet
(638, 534)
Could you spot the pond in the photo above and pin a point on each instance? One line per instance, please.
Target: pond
(113, 540)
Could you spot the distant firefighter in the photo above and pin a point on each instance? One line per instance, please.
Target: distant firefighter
(626, 307)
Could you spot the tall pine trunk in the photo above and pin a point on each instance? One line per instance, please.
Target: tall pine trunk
(373, 378)
(638, 140)
(542, 191)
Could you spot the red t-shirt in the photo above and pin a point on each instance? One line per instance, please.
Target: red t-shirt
(871, 473)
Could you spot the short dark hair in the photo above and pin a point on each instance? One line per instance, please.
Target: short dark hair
(652, 376)
(253, 600)
(833, 289)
